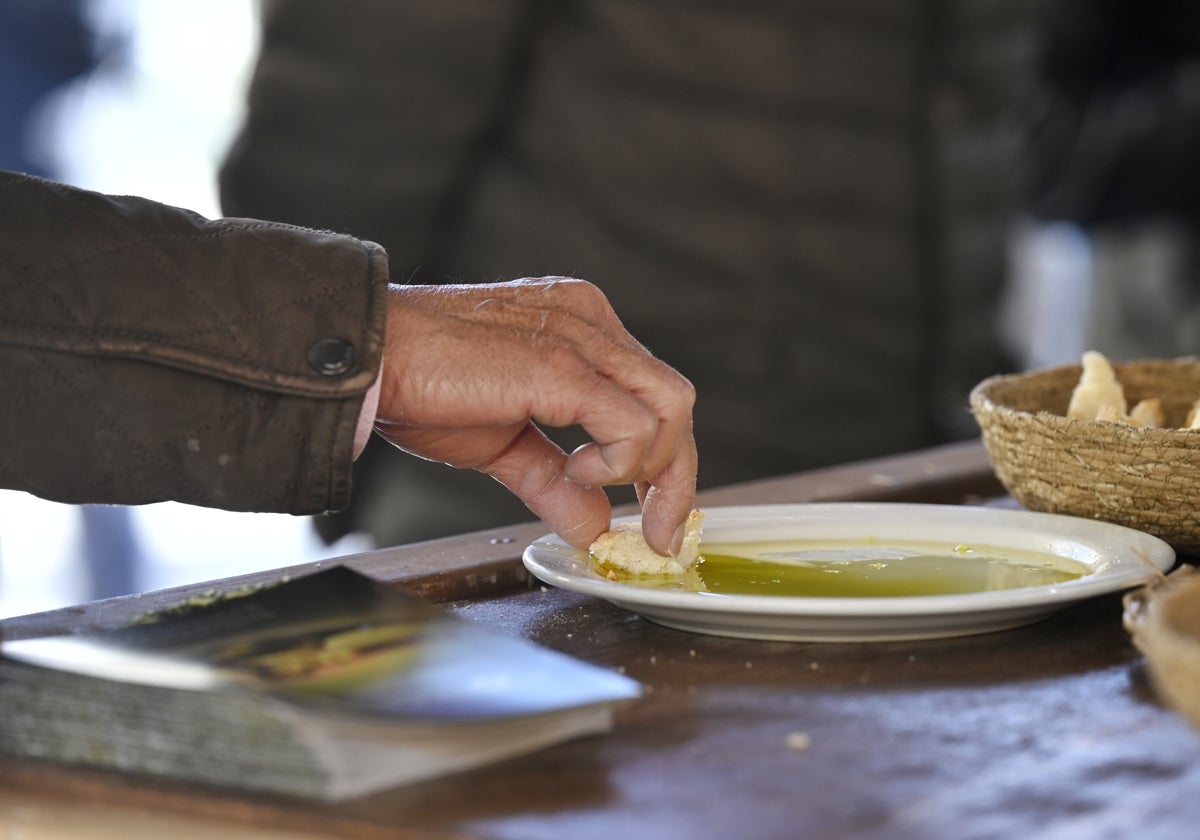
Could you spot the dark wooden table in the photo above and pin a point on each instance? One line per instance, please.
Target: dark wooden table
(1047, 731)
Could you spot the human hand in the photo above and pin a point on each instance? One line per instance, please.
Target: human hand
(470, 371)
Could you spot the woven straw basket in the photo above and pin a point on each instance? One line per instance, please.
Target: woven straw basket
(1145, 478)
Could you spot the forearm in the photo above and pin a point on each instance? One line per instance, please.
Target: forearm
(151, 354)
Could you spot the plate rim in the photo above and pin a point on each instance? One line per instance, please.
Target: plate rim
(1050, 596)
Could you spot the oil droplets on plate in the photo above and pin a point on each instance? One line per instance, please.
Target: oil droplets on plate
(825, 569)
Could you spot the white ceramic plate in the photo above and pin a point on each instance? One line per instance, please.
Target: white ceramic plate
(1111, 551)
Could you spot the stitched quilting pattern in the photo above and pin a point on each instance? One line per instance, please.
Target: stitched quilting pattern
(152, 354)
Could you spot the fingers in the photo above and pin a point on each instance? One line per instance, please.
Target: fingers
(668, 499)
(636, 409)
(635, 433)
(650, 444)
(532, 467)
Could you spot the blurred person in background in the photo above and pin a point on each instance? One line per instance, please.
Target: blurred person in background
(801, 206)
(44, 44)
(1114, 147)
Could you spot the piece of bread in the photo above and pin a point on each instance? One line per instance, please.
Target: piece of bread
(1148, 412)
(623, 549)
(1098, 387)
(1193, 416)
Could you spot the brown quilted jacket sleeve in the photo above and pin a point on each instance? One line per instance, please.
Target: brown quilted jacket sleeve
(151, 354)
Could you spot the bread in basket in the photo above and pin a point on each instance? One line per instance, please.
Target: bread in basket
(1145, 478)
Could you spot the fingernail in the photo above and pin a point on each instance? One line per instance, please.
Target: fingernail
(677, 540)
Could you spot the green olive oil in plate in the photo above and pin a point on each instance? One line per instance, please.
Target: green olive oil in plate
(864, 570)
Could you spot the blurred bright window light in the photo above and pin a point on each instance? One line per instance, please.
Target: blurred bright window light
(158, 113)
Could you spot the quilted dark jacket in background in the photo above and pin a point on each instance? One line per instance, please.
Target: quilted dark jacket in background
(1114, 147)
(802, 205)
(1116, 133)
(151, 354)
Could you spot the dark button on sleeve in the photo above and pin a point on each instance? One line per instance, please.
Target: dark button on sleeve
(331, 356)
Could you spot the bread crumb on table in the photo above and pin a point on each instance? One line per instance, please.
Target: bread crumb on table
(799, 740)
